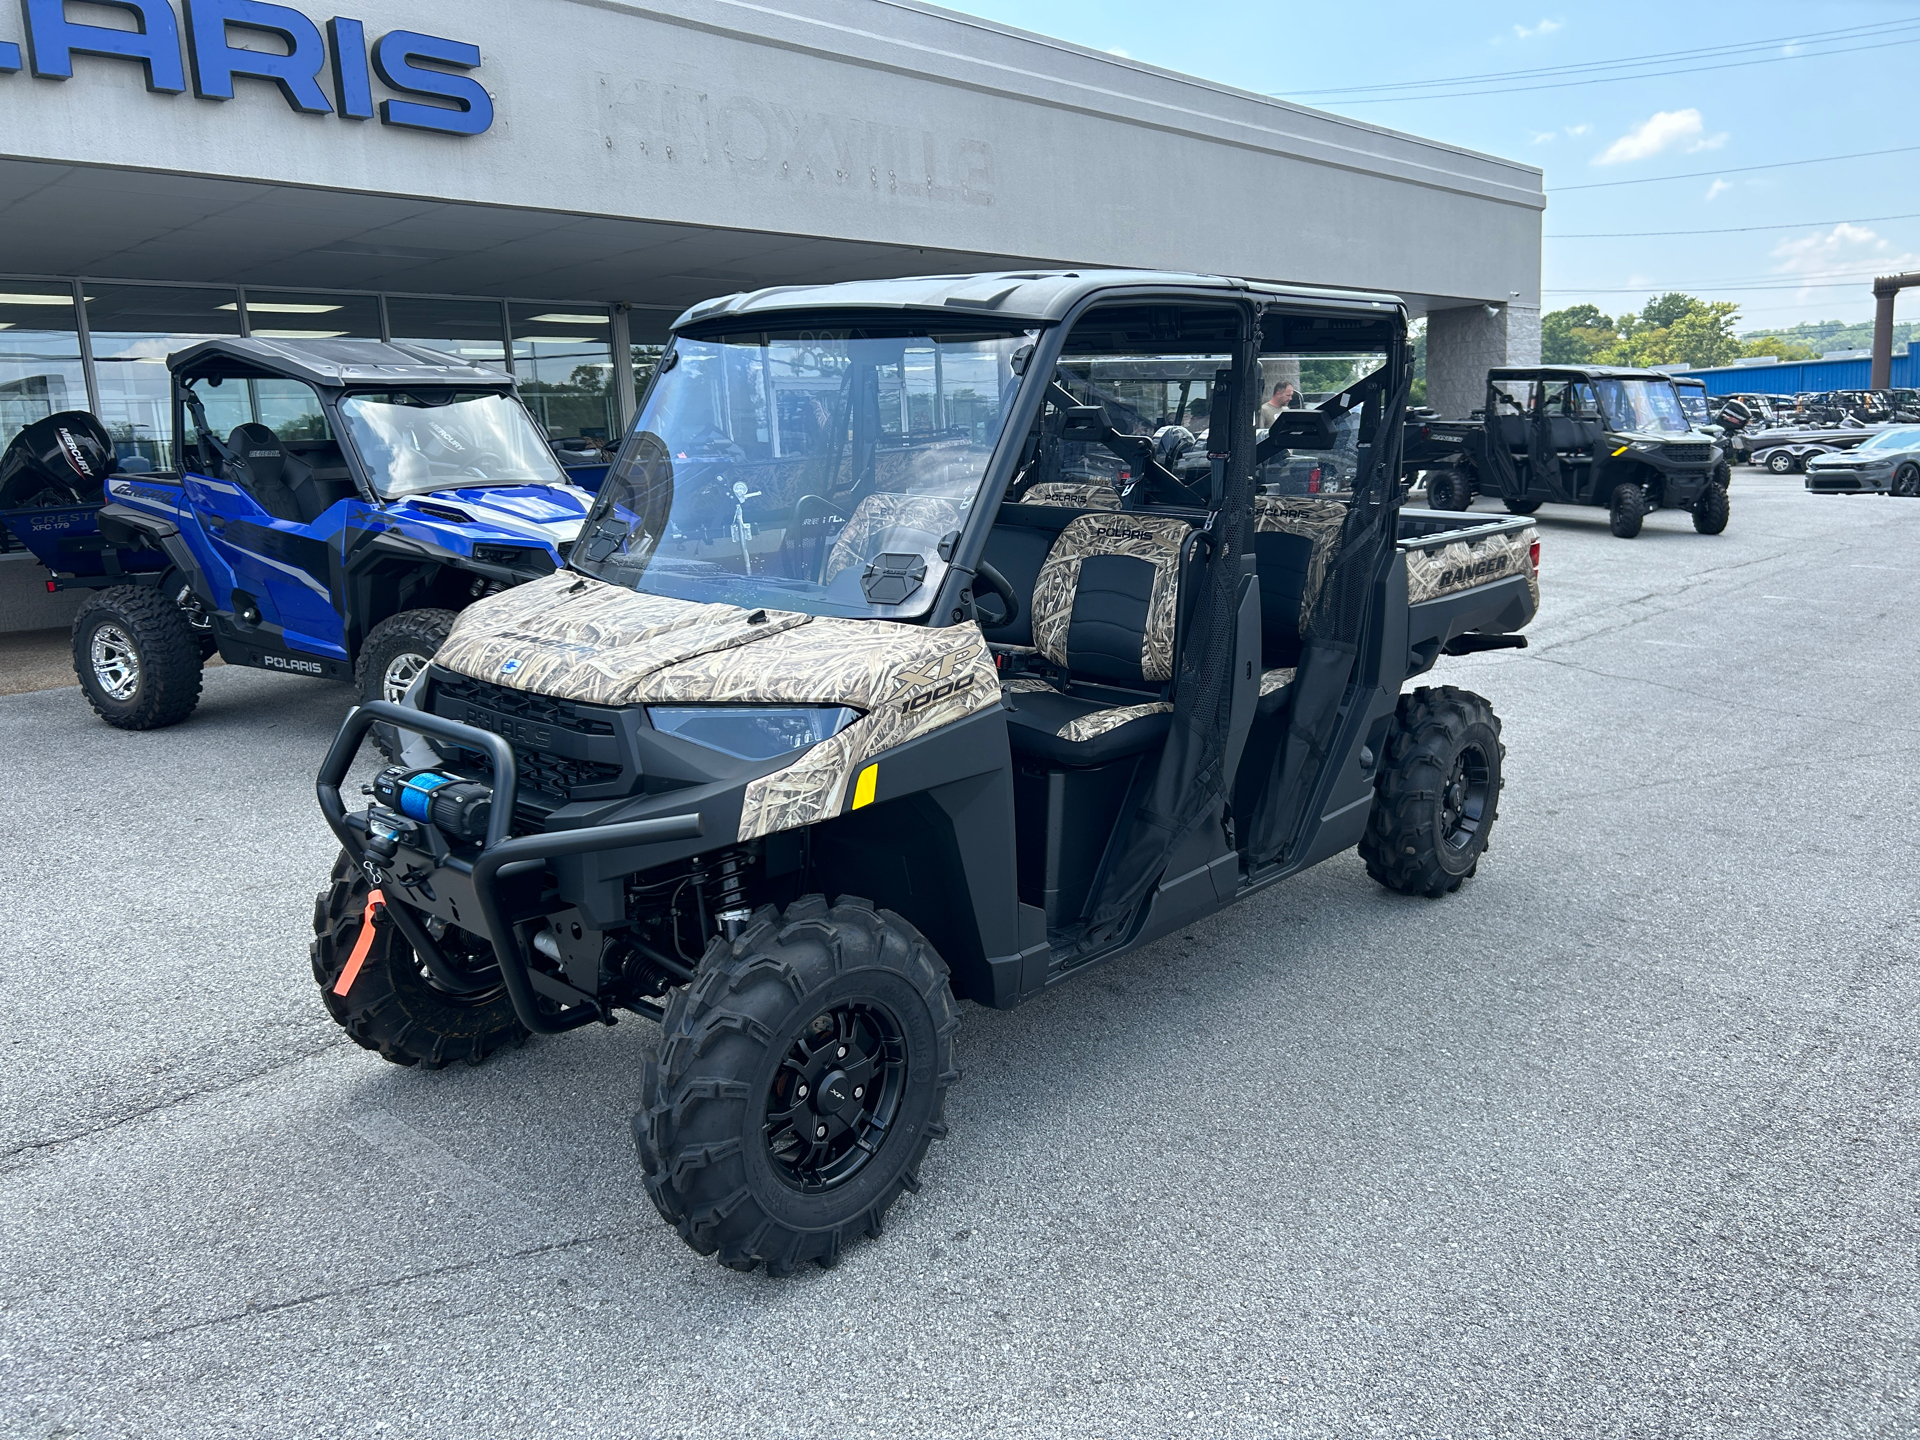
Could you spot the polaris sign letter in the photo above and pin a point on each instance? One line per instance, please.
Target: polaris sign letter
(423, 71)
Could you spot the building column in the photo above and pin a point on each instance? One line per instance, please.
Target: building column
(1463, 344)
(623, 397)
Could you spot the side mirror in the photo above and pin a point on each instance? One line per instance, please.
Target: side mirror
(1302, 430)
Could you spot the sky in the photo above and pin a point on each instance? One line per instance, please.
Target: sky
(1780, 82)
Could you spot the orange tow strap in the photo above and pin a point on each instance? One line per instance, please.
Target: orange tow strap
(362, 947)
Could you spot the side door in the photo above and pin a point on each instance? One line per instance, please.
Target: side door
(1587, 432)
(279, 564)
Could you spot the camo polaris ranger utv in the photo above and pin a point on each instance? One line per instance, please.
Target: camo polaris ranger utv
(907, 657)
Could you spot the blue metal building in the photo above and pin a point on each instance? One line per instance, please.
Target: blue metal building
(1797, 375)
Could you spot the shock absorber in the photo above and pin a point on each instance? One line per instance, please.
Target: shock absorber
(730, 890)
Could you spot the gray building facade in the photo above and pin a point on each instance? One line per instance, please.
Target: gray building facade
(544, 184)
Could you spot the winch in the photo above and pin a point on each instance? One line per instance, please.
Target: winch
(457, 808)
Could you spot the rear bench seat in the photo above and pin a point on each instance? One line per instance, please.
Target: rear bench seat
(1296, 539)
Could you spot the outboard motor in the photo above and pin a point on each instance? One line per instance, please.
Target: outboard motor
(62, 460)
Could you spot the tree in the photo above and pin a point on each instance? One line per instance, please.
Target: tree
(1778, 347)
(1669, 309)
(1675, 329)
(1573, 336)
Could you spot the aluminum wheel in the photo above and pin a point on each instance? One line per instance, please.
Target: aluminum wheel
(116, 664)
(400, 674)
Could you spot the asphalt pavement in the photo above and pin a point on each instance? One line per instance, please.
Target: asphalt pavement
(1617, 1141)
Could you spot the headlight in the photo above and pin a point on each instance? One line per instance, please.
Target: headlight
(752, 732)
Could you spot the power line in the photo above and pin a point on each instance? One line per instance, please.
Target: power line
(1878, 44)
(1850, 32)
(1729, 230)
(1734, 170)
(1718, 289)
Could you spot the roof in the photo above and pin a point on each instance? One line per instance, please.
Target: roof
(334, 363)
(1036, 296)
(1576, 372)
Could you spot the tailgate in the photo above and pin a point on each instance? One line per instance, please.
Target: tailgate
(1466, 574)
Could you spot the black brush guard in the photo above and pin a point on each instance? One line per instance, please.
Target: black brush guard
(500, 857)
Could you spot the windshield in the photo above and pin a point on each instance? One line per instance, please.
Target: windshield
(826, 471)
(416, 441)
(1893, 439)
(1693, 404)
(1644, 405)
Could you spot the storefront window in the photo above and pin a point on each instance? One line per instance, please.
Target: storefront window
(469, 330)
(40, 371)
(134, 328)
(289, 315)
(563, 359)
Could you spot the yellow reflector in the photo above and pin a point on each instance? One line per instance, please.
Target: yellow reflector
(863, 787)
(1621, 451)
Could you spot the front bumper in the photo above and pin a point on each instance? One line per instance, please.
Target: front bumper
(1682, 487)
(1847, 481)
(464, 886)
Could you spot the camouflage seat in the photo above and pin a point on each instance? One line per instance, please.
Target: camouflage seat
(1105, 610)
(1072, 495)
(1296, 539)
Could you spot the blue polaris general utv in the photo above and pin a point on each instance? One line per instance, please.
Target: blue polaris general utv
(363, 494)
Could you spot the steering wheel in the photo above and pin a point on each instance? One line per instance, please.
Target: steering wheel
(985, 576)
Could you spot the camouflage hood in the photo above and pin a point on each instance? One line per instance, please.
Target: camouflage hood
(579, 639)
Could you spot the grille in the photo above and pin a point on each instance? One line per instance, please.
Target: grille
(557, 775)
(1697, 453)
(540, 769)
(539, 709)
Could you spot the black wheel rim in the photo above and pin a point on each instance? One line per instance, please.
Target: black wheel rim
(836, 1096)
(1464, 798)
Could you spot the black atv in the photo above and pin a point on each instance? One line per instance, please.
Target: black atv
(1576, 435)
(896, 665)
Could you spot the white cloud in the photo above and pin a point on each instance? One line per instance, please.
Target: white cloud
(1717, 189)
(1543, 137)
(1545, 27)
(1116, 50)
(1576, 131)
(1664, 130)
(1842, 254)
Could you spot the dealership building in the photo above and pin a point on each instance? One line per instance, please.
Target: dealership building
(543, 185)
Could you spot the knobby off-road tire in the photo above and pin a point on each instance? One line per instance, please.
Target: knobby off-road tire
(137, 658)
(800, 1078)
(393, 1006)
(1628, 509)
(395, 652)
(1522, 507)
(1712, 510)
(1449, 490)
(1906, 481)
(1723, 475)
(1437, 794)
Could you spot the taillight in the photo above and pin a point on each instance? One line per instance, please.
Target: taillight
(1533, 555)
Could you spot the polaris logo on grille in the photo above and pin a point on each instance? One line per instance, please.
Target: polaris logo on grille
(538, 736)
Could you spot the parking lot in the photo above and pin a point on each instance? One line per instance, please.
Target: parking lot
(1618, 1141)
